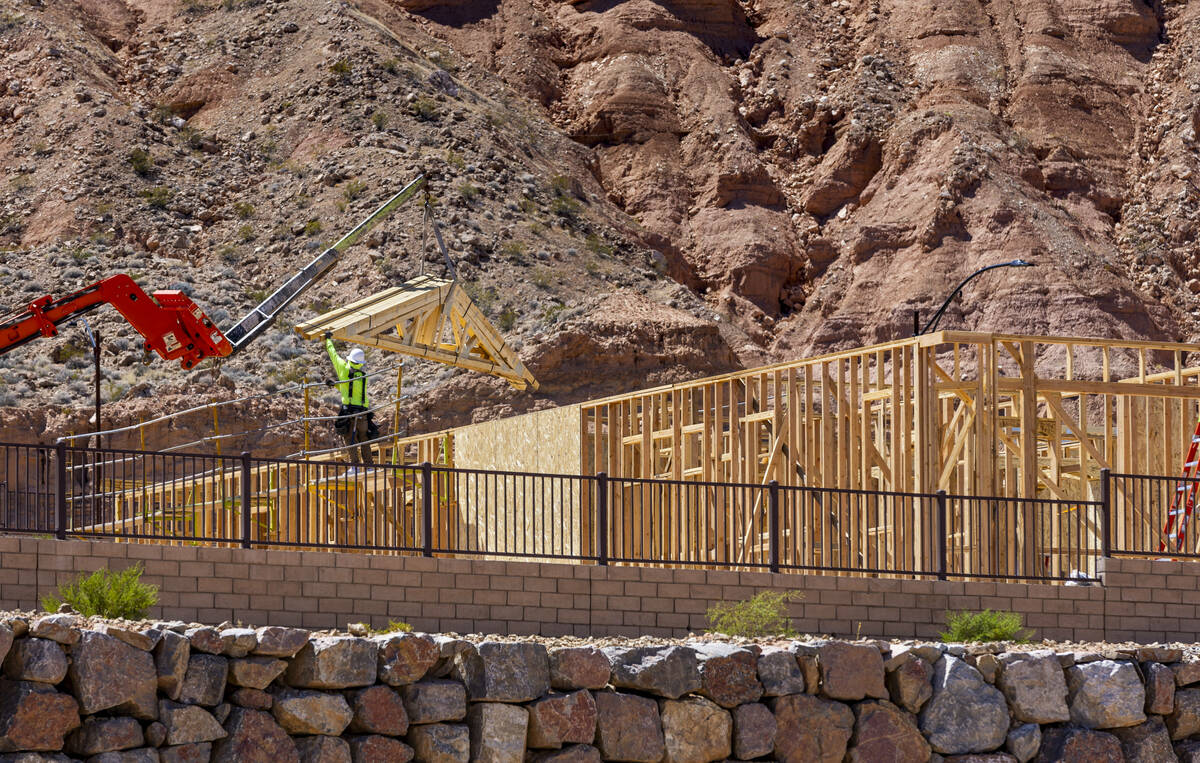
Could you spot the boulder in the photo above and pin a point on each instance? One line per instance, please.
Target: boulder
(377, 710)
(36, 659)
(440, 743)
(156, 734)
(498, 732)
(779, 673)
(989, 667)
(255, 672)
(204, 683)
(254, 737)
(1023, 741)
(448, 650)
(851, 671)
(1147, 741)
(695, 730)
(810, 729)
(1071, 744)
(1106, 694)
(1158, 654)
(97, 735)
(628, 728)
(107, 673)
(255, 699)
(240, 641)
(323, 749)
(576, 753)
(199, 752)
(884, 732)
(273, 641)
(561, 719)
(578, 667)
(1184, 720)
(145, 639)
(980, 757)
(910, 682)
(208, 640)
(334, 662)
(405, 658)
(373, 748)
(33, 716)
(62, 629)
(753, 731)
(434, 701)
(1187, 752)
(142, 755)
(300, 711)
(171, 656)
(188, 724)
(729, 674)
(666, 671)
(504, 671)
(965, 714)
(1035, 688)
(1186, 673)
(6, 640)
(1160, 688)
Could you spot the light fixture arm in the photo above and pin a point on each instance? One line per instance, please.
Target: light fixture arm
(932, 324)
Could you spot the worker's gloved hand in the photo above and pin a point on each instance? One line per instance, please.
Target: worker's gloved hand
(328, 335)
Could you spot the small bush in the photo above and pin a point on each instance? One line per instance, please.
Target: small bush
(513, 249)
(425, 109)
(246, 233)
(158, 197)
(543, 278)
(565, 206)
(354, 189)
(393, 626)
(312, 227)
(456, 159)
(244, 209)
(984, 626)
(141, 161)
(468, 192)
(341, 67)
(765, 614)
(508, 319)
(107, 594)
(379, 119)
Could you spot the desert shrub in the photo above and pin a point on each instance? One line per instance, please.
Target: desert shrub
(393, 626)
(508, 319)
(312, 227)
(565, 206)
(157, 197)
(984, 626)
(354, 189)
(141, 161)
(379, 119)
(341, 67)
(244, 209)
(424, 108)
(764, 614)
(106, 594)
(468, 192)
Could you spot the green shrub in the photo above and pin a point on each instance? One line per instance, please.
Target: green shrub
(157, 197)
(984, 626)
(565, 206)
(244, 209)
(341, 67)
(468, 192)
(379, 119)
(508, 319)
(765, 614)
(353, 189)
(393, 626)
(312, 227)
(107, 594)
(246, 233)
(141, 161)
(424, 108)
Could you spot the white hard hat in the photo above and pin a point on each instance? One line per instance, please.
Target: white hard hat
(357, 355)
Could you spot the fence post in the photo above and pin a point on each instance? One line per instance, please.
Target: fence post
(60, 491)
(773, 525)
(245, 499)
(426, 509)
(941, 531)
(1105, 512)
(602, 518)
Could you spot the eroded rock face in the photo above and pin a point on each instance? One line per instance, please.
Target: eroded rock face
(666, 671)
(405, 658)
(562, 719)
(965, 714)
(696, 729)
(1106, 694)
(108, 673)
(334, 662)
(498, 732)
(811, 729)
(884, 732)
(1035, 688)
(628, 728)
(851, 671)
(253, 736)
(33, 716)
(504, 672)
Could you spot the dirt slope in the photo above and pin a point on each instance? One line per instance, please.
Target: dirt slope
(635, 191)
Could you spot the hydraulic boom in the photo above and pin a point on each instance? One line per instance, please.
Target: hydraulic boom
(173, 326)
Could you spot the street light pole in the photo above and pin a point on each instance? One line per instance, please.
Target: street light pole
(932, 324)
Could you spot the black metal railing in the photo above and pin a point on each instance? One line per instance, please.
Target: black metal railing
(242, 500)
(1151, 516)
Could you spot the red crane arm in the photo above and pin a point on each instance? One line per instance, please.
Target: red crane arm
(172, 325)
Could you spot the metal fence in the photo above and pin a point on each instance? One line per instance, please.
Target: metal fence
(287, 503)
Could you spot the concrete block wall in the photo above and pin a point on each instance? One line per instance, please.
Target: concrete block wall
(1142, 601)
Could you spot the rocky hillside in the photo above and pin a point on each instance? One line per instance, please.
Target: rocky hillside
(634, 192)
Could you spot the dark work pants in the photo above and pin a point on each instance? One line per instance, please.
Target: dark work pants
(357, 433)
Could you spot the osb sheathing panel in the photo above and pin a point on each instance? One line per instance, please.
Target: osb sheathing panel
(524, 515)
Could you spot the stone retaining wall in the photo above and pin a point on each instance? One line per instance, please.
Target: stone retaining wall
(169, 691)
(1140, 601)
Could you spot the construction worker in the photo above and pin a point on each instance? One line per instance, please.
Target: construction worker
(354, 420)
